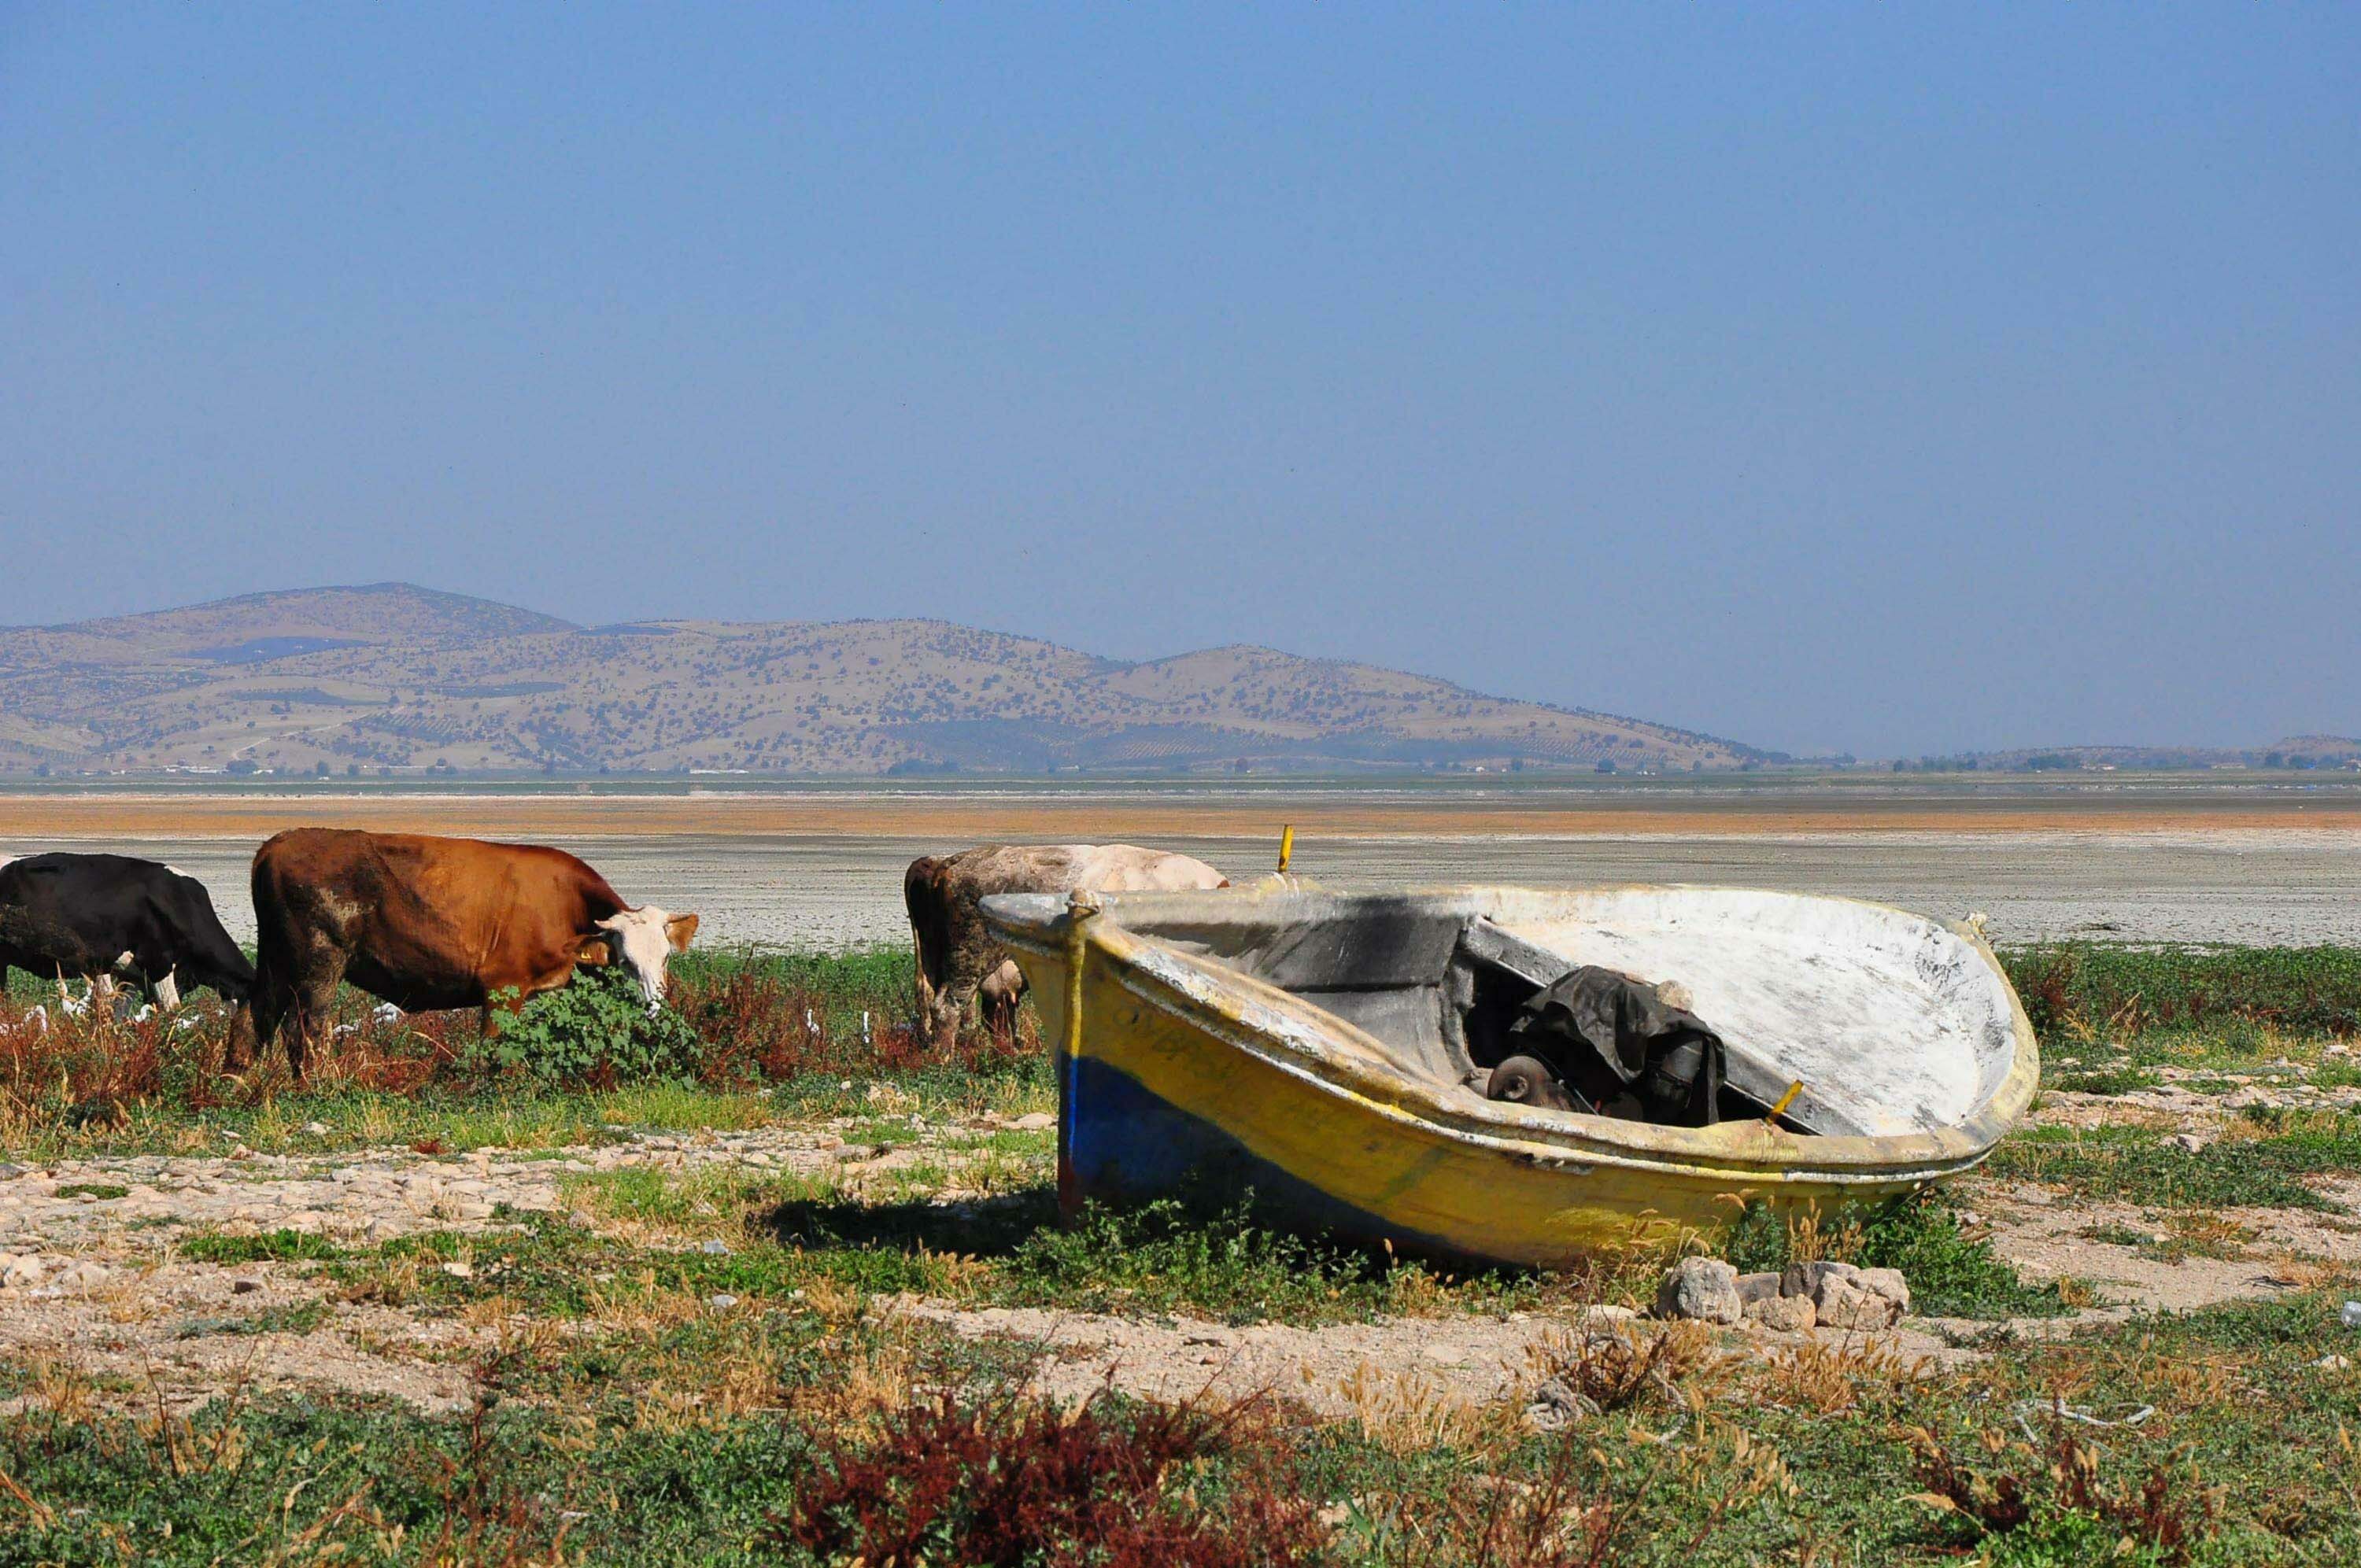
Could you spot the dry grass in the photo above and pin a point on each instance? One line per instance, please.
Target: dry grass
(1831, 1378)
(1601, 1369)
(60, 1385)
(1407, 1411)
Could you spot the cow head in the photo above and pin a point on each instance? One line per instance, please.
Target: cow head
(642, 941)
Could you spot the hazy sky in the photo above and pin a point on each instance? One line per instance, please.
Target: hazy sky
(1896, 379)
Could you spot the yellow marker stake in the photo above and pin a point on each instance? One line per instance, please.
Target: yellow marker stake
(1286, 846)
(1784, 1101)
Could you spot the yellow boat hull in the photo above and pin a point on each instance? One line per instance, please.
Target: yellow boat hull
(1178, 1074)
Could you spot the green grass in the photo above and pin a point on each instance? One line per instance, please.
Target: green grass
(295, 1317)
(270, 1247)
(1952, 1273)
(2103, 1081)
(564, 1456)
(2139, 1166)
(783, 1234)
(101, 1190)
(2128, 990)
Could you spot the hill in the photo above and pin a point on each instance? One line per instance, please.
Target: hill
(399, 678)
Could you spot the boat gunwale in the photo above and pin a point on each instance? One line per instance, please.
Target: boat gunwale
(1741, 1152)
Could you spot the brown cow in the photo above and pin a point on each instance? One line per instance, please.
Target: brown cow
(956, 950)
(428, 922)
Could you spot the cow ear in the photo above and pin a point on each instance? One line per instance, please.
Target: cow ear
(594, 951)
(678, 930)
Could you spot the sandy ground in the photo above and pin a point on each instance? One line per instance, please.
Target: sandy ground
(833, 891)
(820, 868)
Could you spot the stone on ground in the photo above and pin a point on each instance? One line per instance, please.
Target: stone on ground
(1704, 1288)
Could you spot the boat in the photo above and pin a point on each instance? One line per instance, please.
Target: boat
(1327, 1051)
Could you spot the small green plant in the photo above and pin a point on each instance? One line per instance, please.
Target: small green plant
(2106, 1080)
(271, 1246)
(101, 1190)
(1952, 1273)
(2050, 1505)
(597, 1032)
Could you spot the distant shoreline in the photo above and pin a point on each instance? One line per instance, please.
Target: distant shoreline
(976, 810)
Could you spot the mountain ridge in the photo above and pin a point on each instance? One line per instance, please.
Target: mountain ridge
(393, 678)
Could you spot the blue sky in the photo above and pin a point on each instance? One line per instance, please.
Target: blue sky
(1889, 378)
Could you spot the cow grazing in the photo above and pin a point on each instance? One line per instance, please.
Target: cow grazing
(101, 917)
(428, 923)
(956, 950)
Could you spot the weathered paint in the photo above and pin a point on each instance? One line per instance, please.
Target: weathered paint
(1177, 1068)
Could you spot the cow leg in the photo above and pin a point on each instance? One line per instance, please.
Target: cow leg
(925, 986)
(168, 991)
(237, 1051)
(315, 1003)
(495, 1015)
(955, 1003)
(254, 1027)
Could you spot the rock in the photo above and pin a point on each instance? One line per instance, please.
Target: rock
(1784, 1314)
(1702, 1288)
(317, 1129)
(1888, 1283)
(457, 1270)
(1803, 1279)
(721, 1303)
(716, 1247)
(2332, 1364)
(244, 1286)
(20, 1270)
(2195, 1143)
(1844, 1304)
(1038, 1121)
(1753, 1287)
(1552, 1407)
(1842, 1297)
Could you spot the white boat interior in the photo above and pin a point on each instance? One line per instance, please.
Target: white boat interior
(1891, 1023)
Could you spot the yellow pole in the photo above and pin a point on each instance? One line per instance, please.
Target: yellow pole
(1080, 906)
(1286, 846)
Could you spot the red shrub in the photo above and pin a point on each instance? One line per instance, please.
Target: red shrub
(1018, 1482)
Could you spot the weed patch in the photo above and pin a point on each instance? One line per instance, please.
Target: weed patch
(1952, 1272)
(1016, 1481)
(2136, 1165)
(2050, 1503)
(271, 1246)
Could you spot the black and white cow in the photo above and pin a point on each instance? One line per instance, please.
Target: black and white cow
(65, 916)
